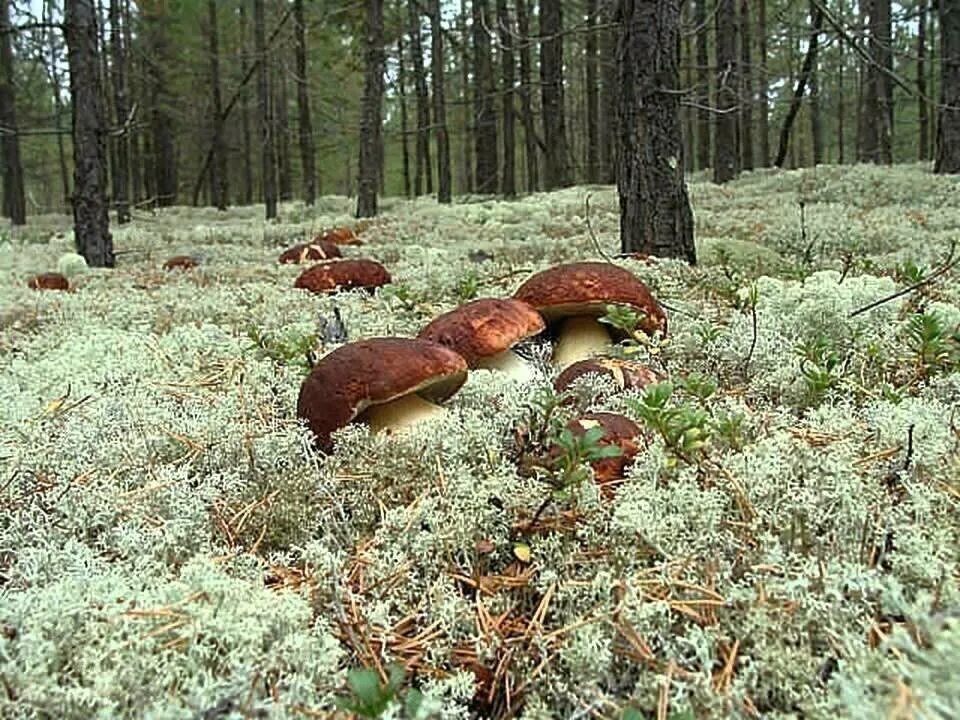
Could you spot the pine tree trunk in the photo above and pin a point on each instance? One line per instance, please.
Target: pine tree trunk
(531, 146)
(485, 106)
(423, 168)
(57, 85)
(704, 118)
(948, 134)
(763, 86)
(557, 174)
(688, 112)
(164, 151)
(923, 115)
(91, 221)
(608, 93)
(655, 214)
(404, 123)
(507, 65)
(809, 62)
(218, 168)
(304, 123)
(816, 120)
(14, 198)
(121, 174)
(466, 102)
(592, 97)
(444, 182)
(725, 147)
(370, 120)
(245, 113)
(746, 84)
(282, 133)
(841, 91)
(884, 53)
(267, 163)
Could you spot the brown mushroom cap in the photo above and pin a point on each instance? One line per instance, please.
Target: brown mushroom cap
(586, 288)
(317, 250)
(333, 275)
(626, 374)
(617, 430)
(340, 236)
(180, 262)
(371, 372)
(49, 281)
(483, 328)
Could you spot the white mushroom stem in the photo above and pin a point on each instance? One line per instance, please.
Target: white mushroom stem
(580, 338)
(400, 414)
(510, 363)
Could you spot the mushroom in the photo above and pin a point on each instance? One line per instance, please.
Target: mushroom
(317, 250)
(48, 281)
(180, 262)
(390, 384)
(484, 331)
(333, 275)
(572, 297)
(626, 374)
(340, 236)
(617, 430)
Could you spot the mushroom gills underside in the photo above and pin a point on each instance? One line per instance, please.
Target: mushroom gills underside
(400, 414)
(509, 363)
(580, 338)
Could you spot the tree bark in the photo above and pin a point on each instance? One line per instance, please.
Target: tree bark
(592, 97)
(507, 74)
(91, 221)
(423, 168)
(245, 112)
(763, 86)
(485, 101)
(304, 124)
(282, 133)
(746, 84)
(841, 91)
(808, 63)
(816, 120)
(877, 118)
(704, 119)
(557, 173)
(164, 151)
(608, 94)
(370, 121)
(655, 214)
(218, 170)
(531, 146)
(268, 168)
(121, 172)
(444, 184)
(404, 122)
(948, 135)
(14, 199)
(923, 114)
(725, 148)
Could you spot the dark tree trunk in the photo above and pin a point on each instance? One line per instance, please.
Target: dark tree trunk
(507, 72)
(370, 120)
(763, 86)
(655, 214)
(877, 120)
(816, 120)
(268, 168)
(304, 124)
(14, 199)
(164, 152)
(557, 174)
(809, 61)
(485, 106)
(746, 83)
(884, 54)
(91, 221)
(466, 102)
(923, 109)
(218, 169)
(948, 133)
(282, 125)
(688, 113)
(592, 97)
(608, 94)
(704, 119)
(423, 169)
(121, 172)
(245, 113)
(841, 92)
(531, 146)
(444, 183)
(404, 123)
(725, 147)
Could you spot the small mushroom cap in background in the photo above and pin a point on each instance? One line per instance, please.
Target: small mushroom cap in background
(340, 236)
(485, 327)
(626, 374)
(617, 430)
(48, 281)
(332, 275)
(180, 262)
(317, 250)
(586, 288)
(370, 372)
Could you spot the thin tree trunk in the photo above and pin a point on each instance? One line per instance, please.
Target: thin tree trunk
(164, 152)
(507, 70)
(746, 83)
(763, 86)
(91, 221)
(423, 169)
(282, 124)
(704, 119)
(884, 54)
(841, 92)
(267, 165)
(370, 121)
(444, 182)
(808, 63)
(304, 124)
(531, 146)
(121, 173)
(466, 102)
(948, 134)
(816, 121)
(218, 170)
(608, 94)
(14, 199)
(404, 124)
(57, 85)
(923, 115)
(689, 113)
(655, 214)
(592, 97)
(245, 112)
(725, 147)
(557, 173)
(485, 106)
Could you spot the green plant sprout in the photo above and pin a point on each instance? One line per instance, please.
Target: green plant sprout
(297, 350)
(468, 286)
(933, 344)
(820, 365)
(371, 698)
(628, 321)
(682, 427)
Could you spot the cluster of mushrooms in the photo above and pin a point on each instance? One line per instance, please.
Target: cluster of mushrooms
(392, 383)
(58, 281)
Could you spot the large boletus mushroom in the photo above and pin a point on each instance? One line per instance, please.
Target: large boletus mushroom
(49, 281)
(626, 374)
(572, 297)
(180, 262)
(332, 275)
(388, 383)
(484, 331)
(306, 252)
(617, 430)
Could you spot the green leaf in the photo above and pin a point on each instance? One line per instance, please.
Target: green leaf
(365, 685)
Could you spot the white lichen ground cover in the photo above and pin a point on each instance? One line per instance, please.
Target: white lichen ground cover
(172, 547)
